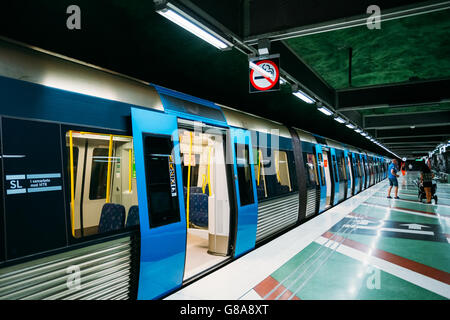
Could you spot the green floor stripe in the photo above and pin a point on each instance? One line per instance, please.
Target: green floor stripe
(342, 277)
(434, 254)
(413, 197)
(411, 205)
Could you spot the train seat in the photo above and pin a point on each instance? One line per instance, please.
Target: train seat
(198, 209)
(112, 217)
(133, 216)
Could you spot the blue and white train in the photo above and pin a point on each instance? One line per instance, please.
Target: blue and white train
(114, 188)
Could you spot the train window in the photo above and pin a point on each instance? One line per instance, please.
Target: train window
(162, 195)
(99, 174)
(244, 174)
(312, 168)
(341, 168)
(274, 172)
(335, 166)
(103, 166)
(322, 174)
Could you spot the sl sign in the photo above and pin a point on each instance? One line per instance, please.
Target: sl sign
(264, 74)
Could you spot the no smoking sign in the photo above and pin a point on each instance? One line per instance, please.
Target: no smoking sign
(264, 74)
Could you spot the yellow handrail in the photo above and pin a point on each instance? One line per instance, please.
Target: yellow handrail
(72, 191)
(189, 180)
(130, 165)
(108, 179)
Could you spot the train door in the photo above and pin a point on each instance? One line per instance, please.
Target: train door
(363, 171)
(355, 188)
(329, 177)
(334, 167)
(322, 180)
(348, 166)
(245, 186)
(206, 195)
(366, 168)
(161, 209)
(101, 163)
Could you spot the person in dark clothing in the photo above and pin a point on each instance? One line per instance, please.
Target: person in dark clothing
(426, 177)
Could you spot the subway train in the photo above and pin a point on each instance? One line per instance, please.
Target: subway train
(115, 188)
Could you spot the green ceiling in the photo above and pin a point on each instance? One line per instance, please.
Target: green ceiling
(413, 47)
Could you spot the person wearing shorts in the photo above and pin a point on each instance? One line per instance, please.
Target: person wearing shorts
(393, 182)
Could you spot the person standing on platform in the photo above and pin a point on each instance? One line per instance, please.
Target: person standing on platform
(403, 168)
(426, 177)
(392, 175)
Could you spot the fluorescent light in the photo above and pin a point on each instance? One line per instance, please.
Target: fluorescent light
(322, 109)
(282, 80)
(350, 126)
(339, 119)
(358, 130)
(183, 20)
(363, 133)
(300, 94)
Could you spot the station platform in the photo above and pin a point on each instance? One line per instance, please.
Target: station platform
(368, 247)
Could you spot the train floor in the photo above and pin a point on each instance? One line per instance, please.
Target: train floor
(368, 247)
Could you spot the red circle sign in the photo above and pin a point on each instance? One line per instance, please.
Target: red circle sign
(263, 82)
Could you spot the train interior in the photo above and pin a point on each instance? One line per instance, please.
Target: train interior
(272, 177)
(206, 199)
(103, 182)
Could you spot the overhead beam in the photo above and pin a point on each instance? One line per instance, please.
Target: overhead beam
(410, 143)
(418, 139)
(403, 94)
(431, 119)
(278, 21)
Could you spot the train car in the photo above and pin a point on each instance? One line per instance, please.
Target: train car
(115, 188)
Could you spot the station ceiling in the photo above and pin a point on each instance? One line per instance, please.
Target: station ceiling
(400, 74)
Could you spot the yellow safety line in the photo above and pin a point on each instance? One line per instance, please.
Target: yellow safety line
(130, 165)
(108, 179)
(189, 180)
(72, 191)
(208, 176)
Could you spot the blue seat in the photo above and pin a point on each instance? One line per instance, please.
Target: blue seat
(112, 217)
(198, 209)
(133, 216)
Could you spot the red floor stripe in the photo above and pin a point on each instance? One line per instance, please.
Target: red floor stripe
(265, 286)
(390, 257)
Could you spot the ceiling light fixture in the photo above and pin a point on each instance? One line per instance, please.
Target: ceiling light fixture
(187, 22)
(303, 96)
(339, 119)
(324, 110)
(351, 126)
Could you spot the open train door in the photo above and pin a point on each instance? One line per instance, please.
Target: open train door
(161, 208)
(322, 181)
(246, 200)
